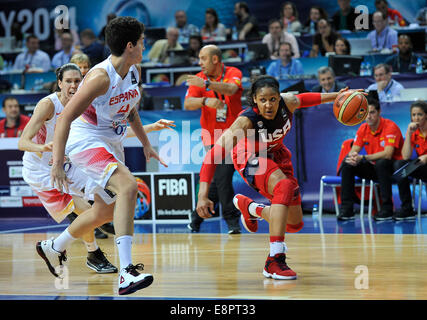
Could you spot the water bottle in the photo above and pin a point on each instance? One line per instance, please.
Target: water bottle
(368, 69)
(362, 69)
(315, 212)
(166, 105)
(234, 35)
(419, 68)
(312, 29)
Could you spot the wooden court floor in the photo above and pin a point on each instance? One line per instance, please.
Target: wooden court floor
(211, 266)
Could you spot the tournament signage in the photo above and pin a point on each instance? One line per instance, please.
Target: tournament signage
(173, 196)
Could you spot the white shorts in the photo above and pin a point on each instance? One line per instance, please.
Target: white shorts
(60, 205)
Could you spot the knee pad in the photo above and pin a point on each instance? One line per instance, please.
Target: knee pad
(292, 228)
(285, 191)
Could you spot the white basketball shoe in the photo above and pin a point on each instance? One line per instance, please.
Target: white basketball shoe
(52, 257)
(130, 280)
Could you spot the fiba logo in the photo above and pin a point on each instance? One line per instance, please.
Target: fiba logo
(173, 187)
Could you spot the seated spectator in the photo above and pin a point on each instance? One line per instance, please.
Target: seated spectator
(316, 13)
(342, 46)
(94, 49)
(62, 57)
(383, 37)
(159, 51)
(393, 16)
(32, 59)
(15, 122)
(213, 30)
(327, 82)
(422, 16)
(344, 18)
(289, 18)
(387, 88)
(101, 36)
(82, 61)
(247, 24)
(383, 143)
(405, 61)
(324, 39)
(194, 46)
(285, 66)
(415, 138)
(185, 29)
(277, 35)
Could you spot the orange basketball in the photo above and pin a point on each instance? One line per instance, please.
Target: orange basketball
(351, 108)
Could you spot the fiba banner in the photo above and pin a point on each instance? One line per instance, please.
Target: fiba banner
(173, 196)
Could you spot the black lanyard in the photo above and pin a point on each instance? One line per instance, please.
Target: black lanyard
(222, 78)
(15, 132)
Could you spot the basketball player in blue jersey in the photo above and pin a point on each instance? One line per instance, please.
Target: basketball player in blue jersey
(256, 142)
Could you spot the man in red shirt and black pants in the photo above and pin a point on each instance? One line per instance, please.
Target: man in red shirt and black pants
(383, 143)
(14, 123)
(217, 91)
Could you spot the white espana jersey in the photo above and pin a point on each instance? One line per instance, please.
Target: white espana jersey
(41, 160)
(105, 118)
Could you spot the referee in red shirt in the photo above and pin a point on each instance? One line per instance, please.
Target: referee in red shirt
(217, 91)
(15, 122)
(383, 143)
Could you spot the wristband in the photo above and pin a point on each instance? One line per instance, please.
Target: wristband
(207, 83)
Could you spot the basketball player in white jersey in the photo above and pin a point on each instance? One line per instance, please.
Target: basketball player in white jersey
(36, 141)
(94, 123)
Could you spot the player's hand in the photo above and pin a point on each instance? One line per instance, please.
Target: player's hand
(47, 147)
(205, 208)
(58, 179)
(353, 158)
(195, 81)
(412, 127)
(149, 153)
(163, 124)
(214, 103)
(423, 158)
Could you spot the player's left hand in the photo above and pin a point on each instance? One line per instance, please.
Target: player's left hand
(163, 124)
(195, 81)
(149, 153)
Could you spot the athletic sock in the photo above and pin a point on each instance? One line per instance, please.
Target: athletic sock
(255, 209)
(63, 241)
(124, 246)
(277, 245)
(91, 246)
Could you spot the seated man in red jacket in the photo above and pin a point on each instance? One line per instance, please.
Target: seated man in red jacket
(383, 143)
(15, 122)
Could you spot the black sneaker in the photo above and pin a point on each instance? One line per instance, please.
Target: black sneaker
(97, 261)
(346, 215)
(107, 228)
(195, 223)
(383, 215)
(234, 225)
(404, 215)
(99, 234)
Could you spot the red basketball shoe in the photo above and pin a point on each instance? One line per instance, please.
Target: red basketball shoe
(276, 268)
(242, 203)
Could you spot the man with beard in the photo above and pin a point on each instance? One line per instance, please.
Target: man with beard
(405, 61)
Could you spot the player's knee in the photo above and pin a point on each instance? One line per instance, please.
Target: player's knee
(285, 191)
(292, 228)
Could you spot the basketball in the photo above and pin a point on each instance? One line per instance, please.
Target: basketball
(351, 108)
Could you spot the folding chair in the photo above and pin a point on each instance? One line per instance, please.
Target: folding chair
(335, 181)
(418, 183)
